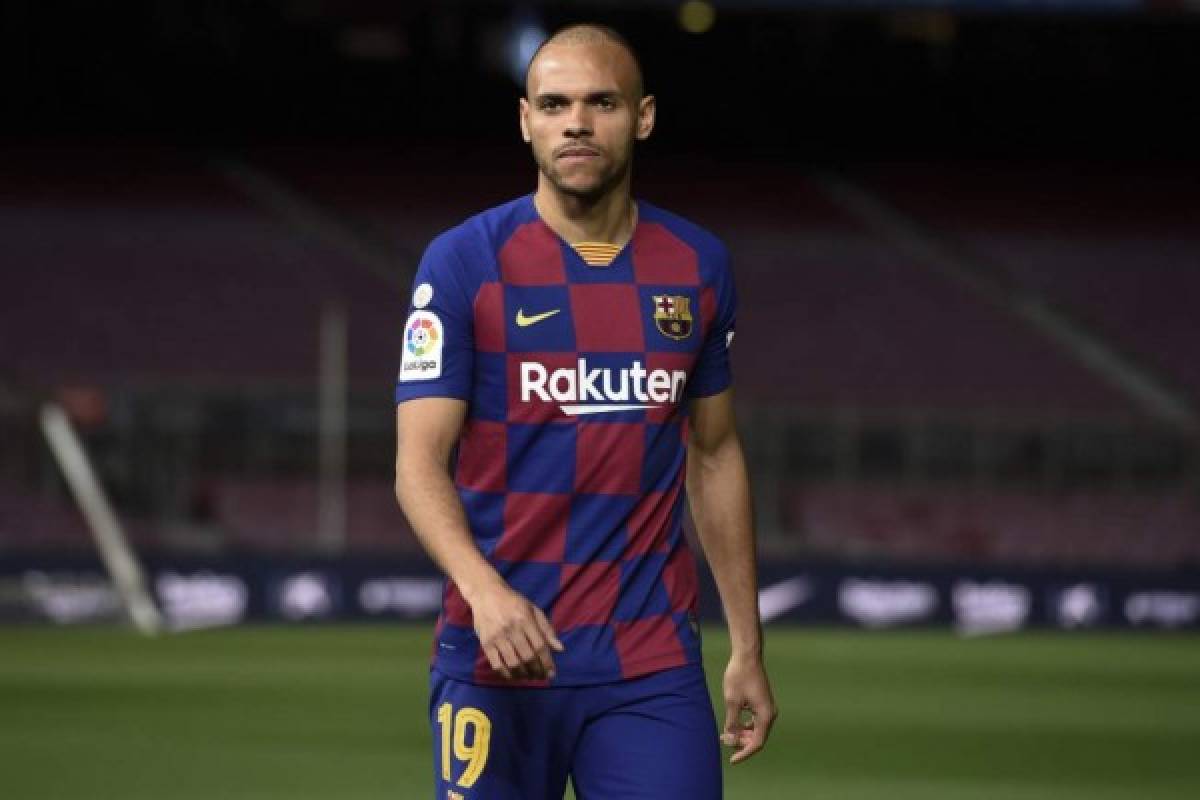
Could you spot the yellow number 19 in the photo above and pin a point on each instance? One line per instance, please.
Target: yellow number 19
(475, 753)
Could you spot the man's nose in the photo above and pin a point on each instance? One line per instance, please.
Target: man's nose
(579, 123)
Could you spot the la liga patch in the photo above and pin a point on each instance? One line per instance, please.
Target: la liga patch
(423, 340)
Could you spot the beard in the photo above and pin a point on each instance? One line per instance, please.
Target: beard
(589, 191)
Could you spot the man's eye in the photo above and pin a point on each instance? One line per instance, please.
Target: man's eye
(606, 103)
(550, 105)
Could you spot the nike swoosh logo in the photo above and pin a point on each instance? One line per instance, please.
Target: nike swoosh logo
(775, 601)
(524, 321)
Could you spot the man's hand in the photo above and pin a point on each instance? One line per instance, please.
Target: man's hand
(515, 634)
(749, 708)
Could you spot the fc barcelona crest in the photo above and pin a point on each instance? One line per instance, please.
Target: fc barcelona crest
(673, 315)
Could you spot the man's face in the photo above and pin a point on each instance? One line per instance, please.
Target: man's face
(582, 114)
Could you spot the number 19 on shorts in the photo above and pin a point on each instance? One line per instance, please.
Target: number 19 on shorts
(468, 724)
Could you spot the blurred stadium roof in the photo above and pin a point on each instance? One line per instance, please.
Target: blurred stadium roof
(816, 80)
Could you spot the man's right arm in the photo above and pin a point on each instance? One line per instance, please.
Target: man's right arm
(515, 634)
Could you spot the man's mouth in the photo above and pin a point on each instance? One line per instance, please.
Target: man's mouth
(577, 153)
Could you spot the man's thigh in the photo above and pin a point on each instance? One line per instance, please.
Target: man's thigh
(656, 739)
(496, 743)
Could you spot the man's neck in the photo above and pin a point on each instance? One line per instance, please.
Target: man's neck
(610, 218)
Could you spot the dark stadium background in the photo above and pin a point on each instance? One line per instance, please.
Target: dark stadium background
(967, 244)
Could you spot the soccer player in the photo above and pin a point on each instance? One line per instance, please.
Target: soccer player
(569, 351)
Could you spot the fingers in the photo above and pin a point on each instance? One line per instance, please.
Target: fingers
(540, 637)
(547, 630)
(749, 708)
(750, 741)
(509, 658)
(545, 641)
(529, 653)
(522, 648)
(733, 711)
(545, 663)
(748, 735)
(496, 661)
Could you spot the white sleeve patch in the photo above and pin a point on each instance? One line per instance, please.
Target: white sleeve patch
(728, 340)
(423, 340)
(422, 295)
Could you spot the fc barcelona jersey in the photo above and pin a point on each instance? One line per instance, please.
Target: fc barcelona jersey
(576, 366)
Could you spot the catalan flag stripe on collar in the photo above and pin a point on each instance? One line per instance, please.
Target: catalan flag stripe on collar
(597, 254)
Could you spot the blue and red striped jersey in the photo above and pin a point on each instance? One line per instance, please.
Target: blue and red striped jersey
(571, 461)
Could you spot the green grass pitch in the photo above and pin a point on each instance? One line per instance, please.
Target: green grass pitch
(339, 712)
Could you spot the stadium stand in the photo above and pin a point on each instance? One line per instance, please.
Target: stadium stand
(37, 521)
(1118, 250)
(174, 277)
(860, 327)
(278, 514)
(829, 316)
(167, 275)
(1134, 529)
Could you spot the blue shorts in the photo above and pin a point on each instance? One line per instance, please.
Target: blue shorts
(653, 737)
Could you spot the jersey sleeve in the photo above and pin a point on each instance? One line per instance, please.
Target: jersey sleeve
(438, 345)
(718, 307)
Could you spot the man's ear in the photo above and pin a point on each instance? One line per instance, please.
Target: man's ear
(523, 115)
(647, 107)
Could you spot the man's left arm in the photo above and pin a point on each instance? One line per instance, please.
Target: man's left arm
(718, 490)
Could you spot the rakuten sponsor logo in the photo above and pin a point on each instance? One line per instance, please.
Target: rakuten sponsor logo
(202, 599)
(882, 604)
(406, 597)
(981, 608)
(1165, 609)
(586, 390)
(68, 597)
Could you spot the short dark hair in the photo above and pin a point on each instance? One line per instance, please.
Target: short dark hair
(586, 33)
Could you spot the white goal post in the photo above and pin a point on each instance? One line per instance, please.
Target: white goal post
(118, 557)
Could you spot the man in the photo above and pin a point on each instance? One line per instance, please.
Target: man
(572, 344)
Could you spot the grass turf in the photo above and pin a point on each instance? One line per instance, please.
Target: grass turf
(339, 712)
